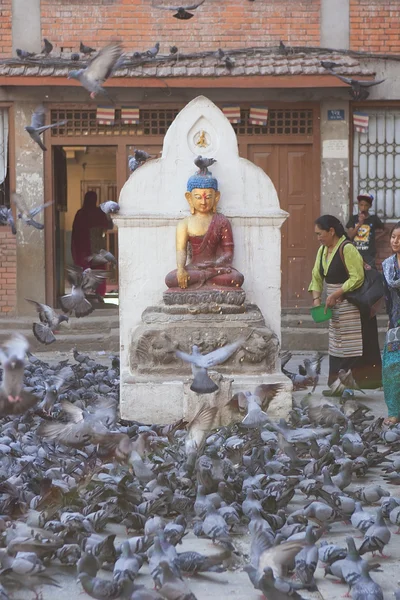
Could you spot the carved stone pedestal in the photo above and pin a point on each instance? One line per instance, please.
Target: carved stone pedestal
(158, 385)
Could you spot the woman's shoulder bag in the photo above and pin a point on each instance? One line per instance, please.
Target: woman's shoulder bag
(368, 298)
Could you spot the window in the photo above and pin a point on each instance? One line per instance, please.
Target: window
(376, 162)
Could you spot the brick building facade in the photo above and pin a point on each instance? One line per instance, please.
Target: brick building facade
(309, 140)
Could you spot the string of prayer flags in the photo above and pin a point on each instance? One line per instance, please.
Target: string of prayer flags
(361, 122)
(130, 115)
(232, 113)
(105, 115)
(258, 116)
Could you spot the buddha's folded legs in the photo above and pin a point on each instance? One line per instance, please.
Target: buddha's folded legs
(218, 276)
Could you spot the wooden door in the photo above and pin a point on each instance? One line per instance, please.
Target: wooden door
(290, 166)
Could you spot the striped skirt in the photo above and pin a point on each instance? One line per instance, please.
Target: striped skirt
(345, 334)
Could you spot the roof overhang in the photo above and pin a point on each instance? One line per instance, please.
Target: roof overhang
(254, 81)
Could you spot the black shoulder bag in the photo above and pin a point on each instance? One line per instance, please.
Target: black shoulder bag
(369, 297)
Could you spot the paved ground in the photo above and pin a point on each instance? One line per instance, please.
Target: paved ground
(235, 583)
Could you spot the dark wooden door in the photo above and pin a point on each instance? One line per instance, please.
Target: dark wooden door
(290, 166)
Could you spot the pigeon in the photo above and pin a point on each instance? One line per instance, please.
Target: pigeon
(141, 155)
(312, 369)
(83, 281)
(100, 68)
(351, 442)
(328, 64)
(49, 322)
(6, 218)
(376, 537)
(109, 207)
(133, 164)
(100, 588)
(365, 587)
(199, 427)
(255, 417)
(204, 163)
(345, 380)
(22, 54)
(272, 588)
(37, 126)
(360, 519)
(75, 56)
(102, 257)
(13, 398)
(181, 12)
(173, 50)
(358, 87)
(202, 383)
(47, 47)
(26, 214)
(307, 559)
(86, 49)
(152, 53)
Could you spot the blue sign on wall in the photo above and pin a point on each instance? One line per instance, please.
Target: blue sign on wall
(336, 115)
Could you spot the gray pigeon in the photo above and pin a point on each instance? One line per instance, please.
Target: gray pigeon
(152, 53)
(366, 588)
(109, 207)
(47, 47)
(133, 163)
(358, 87)
(360, 519)
(37, 126)
(49, 322)
(25, 213)
(86, 49)
(255, 417)
(307, 559)
(352, 442)
(377, 536)
(181, 12)
(101, 67)
(200, 363)
(102, 258)
(6, 218)
(204, 163)
(13, 398)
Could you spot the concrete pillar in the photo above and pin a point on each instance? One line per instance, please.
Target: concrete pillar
(335, 154)
(335, 24)
(26, 26)
(30, 241)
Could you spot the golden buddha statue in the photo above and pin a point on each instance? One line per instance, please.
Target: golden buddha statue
(208, 235)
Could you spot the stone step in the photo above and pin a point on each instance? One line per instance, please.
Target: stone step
(313, 338)
(305, 321)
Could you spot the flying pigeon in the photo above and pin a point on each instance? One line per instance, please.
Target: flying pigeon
(26, 214)
(358, 87)
(13, 398)
(102, 257)
(100, 68)
(49, 322)
(181, 12)
(6, 218)
(83, 281)
(200, 363)
(37, 126)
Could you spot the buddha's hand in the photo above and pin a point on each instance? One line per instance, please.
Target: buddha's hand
(183, 277)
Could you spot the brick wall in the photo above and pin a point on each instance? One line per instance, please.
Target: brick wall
(375, 25)
(217, 23)
(5, 28)
(8, 271)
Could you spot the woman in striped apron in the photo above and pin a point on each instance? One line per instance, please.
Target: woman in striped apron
(353, 341)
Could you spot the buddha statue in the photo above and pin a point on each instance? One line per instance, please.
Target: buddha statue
(206, 237)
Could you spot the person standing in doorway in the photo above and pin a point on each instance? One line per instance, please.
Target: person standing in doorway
(87, 234)
(362, 229)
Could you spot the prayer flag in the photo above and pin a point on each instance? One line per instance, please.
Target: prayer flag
(130, 116)
(232, 113)
(360, 121)
(258, 116)
(105, 115)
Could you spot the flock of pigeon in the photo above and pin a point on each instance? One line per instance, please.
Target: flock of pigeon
(71, 469)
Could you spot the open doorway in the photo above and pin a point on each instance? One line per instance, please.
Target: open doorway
(78, 170)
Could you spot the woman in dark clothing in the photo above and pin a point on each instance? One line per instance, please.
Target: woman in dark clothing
(353, 340)
(87, 231)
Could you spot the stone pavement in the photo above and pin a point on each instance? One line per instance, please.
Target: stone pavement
(235, 583)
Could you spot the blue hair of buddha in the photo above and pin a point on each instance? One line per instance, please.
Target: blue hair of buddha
(202, 182)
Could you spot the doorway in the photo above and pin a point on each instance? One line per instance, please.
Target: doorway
(77, 170)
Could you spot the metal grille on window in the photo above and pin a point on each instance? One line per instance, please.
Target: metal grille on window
(280, 122)
(83, 122)
(376, 162)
